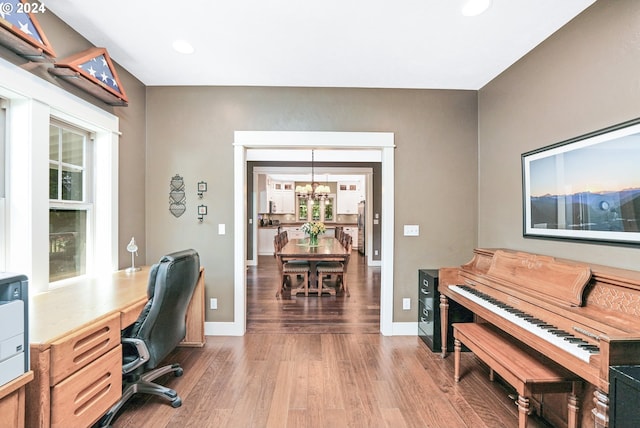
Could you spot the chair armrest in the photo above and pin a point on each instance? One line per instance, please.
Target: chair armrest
(142, 351)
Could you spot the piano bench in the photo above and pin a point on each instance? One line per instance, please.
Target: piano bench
(524, 369)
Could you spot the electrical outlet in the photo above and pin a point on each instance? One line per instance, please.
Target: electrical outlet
(213, 303)
(406, 304)
(375, 252)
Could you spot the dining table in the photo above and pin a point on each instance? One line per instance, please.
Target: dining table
(328, 249)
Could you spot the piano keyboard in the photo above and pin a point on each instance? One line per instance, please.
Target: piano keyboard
(562, 339)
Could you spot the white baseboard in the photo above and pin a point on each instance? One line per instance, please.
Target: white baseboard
(222, 329)
(405, 329)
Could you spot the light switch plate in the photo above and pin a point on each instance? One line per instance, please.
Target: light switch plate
(221, 229)
(406, 303)
(411, 230)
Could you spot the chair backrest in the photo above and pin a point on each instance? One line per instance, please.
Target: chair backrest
(162, 323)
(276, 245)
(347, 240)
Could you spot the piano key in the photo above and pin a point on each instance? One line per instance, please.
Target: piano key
(550, 333)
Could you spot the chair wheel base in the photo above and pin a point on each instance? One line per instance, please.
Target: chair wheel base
(178, 371)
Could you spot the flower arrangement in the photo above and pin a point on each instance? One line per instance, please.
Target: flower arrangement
(314, 228)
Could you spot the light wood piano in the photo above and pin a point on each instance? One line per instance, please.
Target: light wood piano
(584, 317)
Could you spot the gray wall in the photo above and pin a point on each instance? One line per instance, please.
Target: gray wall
(67, 42)
(190, 132)
(584, 78)
(457, 158)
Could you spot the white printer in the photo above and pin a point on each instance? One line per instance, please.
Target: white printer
(14, 329)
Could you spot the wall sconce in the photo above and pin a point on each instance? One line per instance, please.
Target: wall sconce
(202, 187)
(202, 211)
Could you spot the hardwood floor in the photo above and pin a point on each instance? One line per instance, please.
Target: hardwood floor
(359, 313)
(321, 362)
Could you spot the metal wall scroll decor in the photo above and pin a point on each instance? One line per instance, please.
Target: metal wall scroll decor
(177, 198)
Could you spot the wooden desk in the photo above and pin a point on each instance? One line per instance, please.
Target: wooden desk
(328, 249)
(76, 356)
(12, 401)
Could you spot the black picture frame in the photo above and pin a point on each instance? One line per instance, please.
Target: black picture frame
(585, 188)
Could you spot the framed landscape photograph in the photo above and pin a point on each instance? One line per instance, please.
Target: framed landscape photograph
(585, 188)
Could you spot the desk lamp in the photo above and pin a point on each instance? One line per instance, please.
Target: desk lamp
(133, 249)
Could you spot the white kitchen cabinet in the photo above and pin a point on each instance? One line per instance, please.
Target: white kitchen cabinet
(265, 240)
(353, 231)
(288, 202)
(282, 195)
(263, 196)
(349, 195)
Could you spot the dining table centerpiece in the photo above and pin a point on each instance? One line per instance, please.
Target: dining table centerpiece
(313, 229)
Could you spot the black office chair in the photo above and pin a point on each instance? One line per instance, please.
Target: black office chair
(158, 330)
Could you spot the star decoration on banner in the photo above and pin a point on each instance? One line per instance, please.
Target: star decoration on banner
(25, 26)
(99, 69)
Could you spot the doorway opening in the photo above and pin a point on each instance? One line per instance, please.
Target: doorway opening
(296, 146)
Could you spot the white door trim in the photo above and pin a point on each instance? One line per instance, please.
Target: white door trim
(381, 143)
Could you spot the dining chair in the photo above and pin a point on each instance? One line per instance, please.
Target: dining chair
(337, 268)
(290, 269)
(294, 269)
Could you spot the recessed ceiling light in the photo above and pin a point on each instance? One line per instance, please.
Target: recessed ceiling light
(183, 47)
(475, 7)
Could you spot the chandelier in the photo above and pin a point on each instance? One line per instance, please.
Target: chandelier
(313, 191)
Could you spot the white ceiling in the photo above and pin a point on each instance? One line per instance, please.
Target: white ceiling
(330, 43)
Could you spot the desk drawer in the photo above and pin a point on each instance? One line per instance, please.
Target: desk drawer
(80, 399)
(78, 349)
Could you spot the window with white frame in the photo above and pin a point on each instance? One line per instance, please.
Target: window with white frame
(70, 200)
(49, 197)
